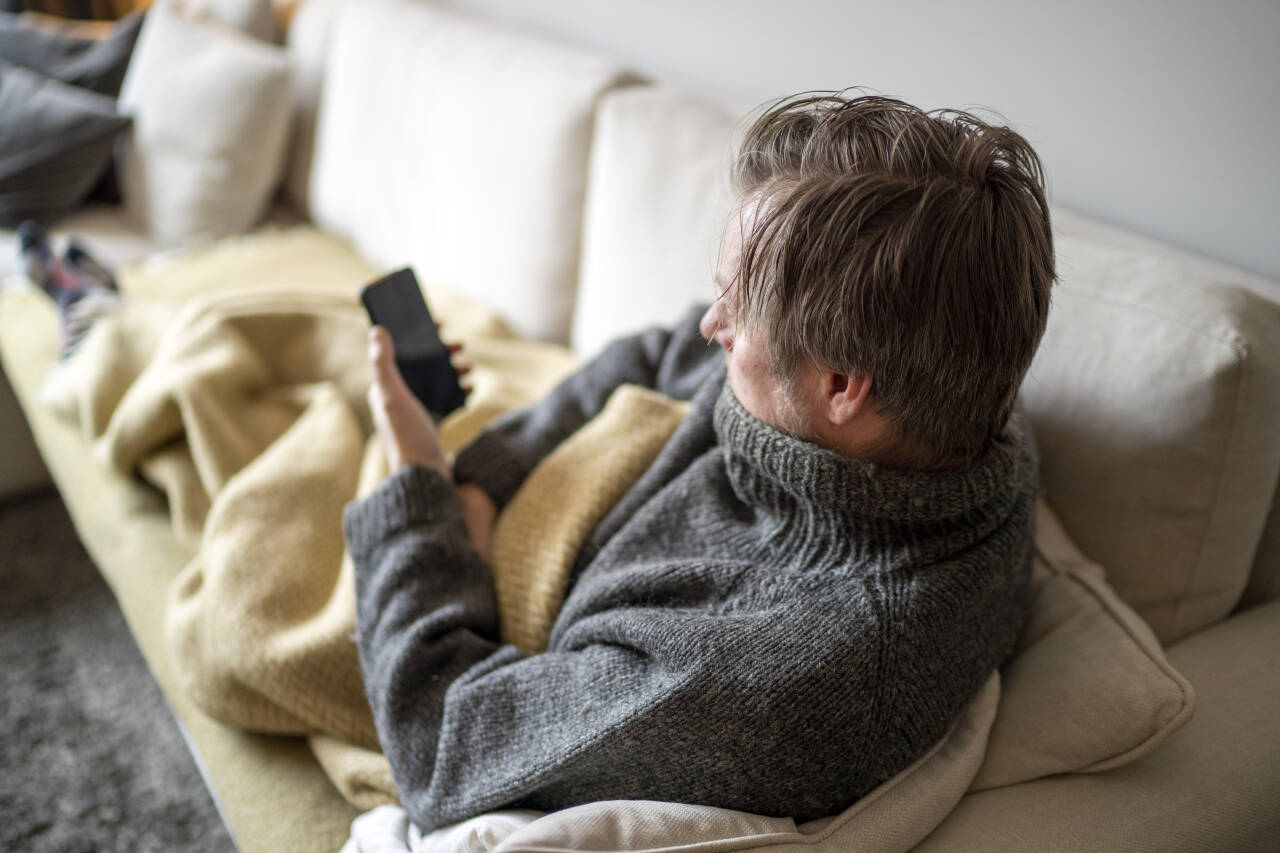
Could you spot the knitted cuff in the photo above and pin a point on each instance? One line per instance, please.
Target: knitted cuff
(414, 496)
(489, 463)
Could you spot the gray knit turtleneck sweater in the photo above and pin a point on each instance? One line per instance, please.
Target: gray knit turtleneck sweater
(760, 624)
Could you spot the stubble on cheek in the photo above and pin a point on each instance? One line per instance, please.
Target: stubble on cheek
(791, 417)
(778, 404)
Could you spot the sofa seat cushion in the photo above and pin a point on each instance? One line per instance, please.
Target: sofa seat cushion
(466, 159)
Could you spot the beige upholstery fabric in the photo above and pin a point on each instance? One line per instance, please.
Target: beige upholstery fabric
(658, 199)
(20, 467)
(211, 121)
(481, 140)
(1153, 398)
(1264, 582)
(1211, 786)
(1089, 687)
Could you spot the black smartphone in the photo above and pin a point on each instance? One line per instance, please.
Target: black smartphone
(395, 303)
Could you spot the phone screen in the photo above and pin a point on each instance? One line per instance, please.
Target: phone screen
(395, 302)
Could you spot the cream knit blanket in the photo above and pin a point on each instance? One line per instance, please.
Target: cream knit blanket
(247, 410)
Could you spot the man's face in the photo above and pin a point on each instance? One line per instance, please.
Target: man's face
(750, 372)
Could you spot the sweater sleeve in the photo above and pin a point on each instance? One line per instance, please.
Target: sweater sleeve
(469, 724)
(672, 361)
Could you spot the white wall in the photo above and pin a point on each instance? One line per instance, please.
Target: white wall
(1162, 116)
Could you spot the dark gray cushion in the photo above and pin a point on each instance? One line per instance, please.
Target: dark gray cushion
(94, 64)
(55, 142)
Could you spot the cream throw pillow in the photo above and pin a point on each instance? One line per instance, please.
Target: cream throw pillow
(1089, 687)
(211, 110)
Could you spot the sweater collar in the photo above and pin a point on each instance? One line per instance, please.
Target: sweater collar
(769, 467)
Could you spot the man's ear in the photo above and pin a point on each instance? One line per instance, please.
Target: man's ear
(846, 395)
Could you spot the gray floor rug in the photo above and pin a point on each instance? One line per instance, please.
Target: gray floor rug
(90, 756)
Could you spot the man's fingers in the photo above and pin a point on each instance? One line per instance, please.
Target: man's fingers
(382, 357)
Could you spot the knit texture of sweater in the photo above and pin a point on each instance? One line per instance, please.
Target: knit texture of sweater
(759, 624)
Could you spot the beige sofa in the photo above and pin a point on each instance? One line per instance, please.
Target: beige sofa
(581, 204)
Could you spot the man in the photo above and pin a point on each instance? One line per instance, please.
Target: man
(828, 557)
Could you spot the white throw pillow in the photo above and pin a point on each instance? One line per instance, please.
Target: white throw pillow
(211, 110)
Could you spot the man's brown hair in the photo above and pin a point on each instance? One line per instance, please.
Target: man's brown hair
(911, 245)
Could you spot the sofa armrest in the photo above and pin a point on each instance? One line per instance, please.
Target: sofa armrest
(20, 467)
(1211, 786)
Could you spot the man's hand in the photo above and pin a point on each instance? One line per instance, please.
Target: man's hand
(410, 437)
(404, 427)
(480, 514)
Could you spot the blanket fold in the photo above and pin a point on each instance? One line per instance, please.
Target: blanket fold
(247, 410)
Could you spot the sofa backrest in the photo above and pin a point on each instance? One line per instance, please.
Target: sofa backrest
(467, 152)
(1153, 395)
(655, 212)
(450, 145)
